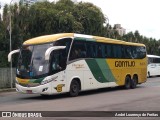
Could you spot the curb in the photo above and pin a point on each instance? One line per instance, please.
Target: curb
(8, 90)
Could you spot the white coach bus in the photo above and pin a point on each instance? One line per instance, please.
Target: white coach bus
(153, 68)
(70, 62)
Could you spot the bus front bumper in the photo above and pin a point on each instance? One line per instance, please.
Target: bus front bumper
(41, 89)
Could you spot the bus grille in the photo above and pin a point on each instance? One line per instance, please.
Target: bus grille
(30, 84)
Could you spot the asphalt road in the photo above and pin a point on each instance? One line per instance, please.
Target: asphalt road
(146, 97)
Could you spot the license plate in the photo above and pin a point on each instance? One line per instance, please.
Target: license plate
(29, 91)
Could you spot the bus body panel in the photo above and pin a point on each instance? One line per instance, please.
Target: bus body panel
(90, 78)
(57, 85)
(123, 67)
(93, 73)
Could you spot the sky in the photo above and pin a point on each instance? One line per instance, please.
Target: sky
(141, 15)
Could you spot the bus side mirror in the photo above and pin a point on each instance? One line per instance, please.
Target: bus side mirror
(11, 53)
(49, 50)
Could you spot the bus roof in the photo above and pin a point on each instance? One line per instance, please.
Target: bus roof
(153, 56)
(47, 38)
(54, 37)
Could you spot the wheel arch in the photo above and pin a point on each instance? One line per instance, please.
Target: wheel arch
(128, 75)
(76, 78)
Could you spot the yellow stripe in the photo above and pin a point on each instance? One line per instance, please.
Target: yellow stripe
(23, 81)
(47, 38)
(109, 40)
(54, 37)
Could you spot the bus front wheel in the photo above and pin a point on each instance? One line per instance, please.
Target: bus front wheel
(74, 88)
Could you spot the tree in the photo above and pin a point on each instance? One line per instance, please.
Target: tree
(3, 43)
(91, 18)
(65, 16)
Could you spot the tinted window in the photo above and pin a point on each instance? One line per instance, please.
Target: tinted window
(134, 52)
(78, 50)
(117, 51)
(99, 51)
(127, 53)
(64, 42)
(108, 51)
(153, 60)
(58, 61)
(141, 52)
(157, 60)
(91, 50)
(88, 49)
(95, 50)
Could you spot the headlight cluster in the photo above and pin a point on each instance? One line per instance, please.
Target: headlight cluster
(47, 80)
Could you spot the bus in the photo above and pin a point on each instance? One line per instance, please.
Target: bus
(153, 68)
(71, 63)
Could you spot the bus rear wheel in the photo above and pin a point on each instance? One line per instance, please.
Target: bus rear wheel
(127, 82)
(134, 82)
(74, 88)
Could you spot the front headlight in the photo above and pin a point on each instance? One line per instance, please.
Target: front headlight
(47, 80)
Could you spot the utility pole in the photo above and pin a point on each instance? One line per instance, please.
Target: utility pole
(10, 36)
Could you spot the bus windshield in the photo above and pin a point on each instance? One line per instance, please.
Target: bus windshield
(32, 61)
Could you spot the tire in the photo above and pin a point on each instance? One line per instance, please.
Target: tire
(148, 75)
(134, 82)
(74, 88)
(43, 95)
(127, 82)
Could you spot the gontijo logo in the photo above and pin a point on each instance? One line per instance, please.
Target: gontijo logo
(124, 63)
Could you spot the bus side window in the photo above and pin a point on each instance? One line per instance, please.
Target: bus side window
(141, 52)
(64, 42)
(157, 60)
(103, 51)
(134, 52)
(90, 51)
(108, 51)
(99, 51)
(78, 50)
(114, 51)
(127, 52)
(117, 51)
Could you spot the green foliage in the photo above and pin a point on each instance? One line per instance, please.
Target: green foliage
(152, 45)
(65, 16)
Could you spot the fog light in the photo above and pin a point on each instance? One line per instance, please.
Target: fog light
(45, 89)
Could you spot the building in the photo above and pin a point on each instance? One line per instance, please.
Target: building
(121, 31)
(30, 2)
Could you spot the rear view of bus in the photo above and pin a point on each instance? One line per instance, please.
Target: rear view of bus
(153, 68)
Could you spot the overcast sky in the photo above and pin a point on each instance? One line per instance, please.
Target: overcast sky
(141, 15)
